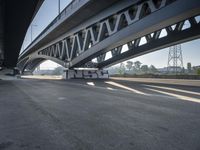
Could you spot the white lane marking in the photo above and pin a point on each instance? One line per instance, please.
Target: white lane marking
(61, 98)
(125, 87)
(109, 88)
(173, 89)
(91, 83)
(185, 98)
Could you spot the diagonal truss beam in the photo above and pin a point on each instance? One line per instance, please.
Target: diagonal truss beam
(75, 45)
(178, 33)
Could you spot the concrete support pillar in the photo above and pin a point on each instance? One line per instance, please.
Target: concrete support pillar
(27, 72)
(1, 31)
(85, 74)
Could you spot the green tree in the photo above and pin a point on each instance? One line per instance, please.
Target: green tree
(198, 71)
(137, 65)
(57, 71)
(153, 69)
(144, 69)
(129, 65)
(121, 69)
(189, 67)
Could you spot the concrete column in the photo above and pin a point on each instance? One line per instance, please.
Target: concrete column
(1, 31)
(85, 74)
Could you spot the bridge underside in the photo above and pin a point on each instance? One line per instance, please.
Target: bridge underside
(15, 18)
(123, 31)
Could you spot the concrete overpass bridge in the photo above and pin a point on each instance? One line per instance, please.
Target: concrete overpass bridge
(15, 18)
(88, 33)
(114, 114)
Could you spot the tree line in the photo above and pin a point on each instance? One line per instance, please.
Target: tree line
(136, 68)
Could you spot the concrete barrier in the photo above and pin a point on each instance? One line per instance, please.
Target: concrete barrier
(192, 77)
(86, 74)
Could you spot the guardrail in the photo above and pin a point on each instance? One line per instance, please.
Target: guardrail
(72, 5)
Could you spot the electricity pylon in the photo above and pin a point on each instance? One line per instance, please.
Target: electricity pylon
(175, 59)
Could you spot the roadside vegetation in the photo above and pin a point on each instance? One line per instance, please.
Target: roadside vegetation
(138, 69)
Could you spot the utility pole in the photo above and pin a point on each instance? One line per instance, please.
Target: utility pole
(32, 25)
(58, 7)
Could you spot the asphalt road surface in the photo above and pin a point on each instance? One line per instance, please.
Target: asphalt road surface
(98, 115)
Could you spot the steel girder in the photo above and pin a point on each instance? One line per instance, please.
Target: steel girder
(141, 19)
(33, 64)
(177, 33)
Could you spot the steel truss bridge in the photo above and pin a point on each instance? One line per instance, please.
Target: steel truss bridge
(116, 32)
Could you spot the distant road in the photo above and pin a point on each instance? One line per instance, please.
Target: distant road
(164, 81)
(98, 115)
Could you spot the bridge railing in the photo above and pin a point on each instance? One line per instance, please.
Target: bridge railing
(66, 11)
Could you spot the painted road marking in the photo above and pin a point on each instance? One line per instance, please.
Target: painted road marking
(186, 98)
(173, 89)
(109, 88)
(91, 83)
(125, 87)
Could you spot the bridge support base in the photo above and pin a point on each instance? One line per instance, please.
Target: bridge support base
(86, 74)
(27, 73)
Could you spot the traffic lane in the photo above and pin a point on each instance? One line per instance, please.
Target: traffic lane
(121, 110)
(151, 88)
(23, 125)
(141, 88)
(162, 81)
(189, 87)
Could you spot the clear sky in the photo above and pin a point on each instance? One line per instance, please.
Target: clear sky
(190, 51)
(49, 10)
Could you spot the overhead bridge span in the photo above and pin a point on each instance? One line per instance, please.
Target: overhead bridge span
(90, 33)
